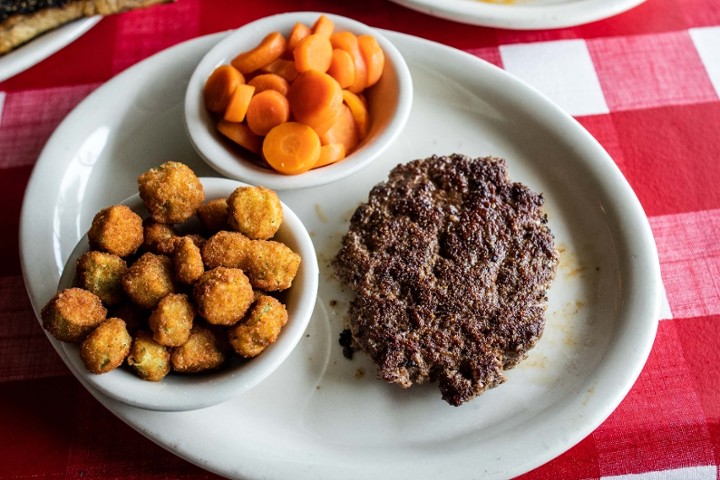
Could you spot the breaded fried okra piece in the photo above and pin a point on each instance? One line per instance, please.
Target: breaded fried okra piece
(187, 261)
(149, 359)
(204, 350)
(260, 329)
(149, 279)
(171, 192)
(159, 237)
(270, 265)
(73, 313)
(256, 212)
(213, 215)
(101, 273)
(172, 319)
(223, 295)
(225, 249)
(106, 347)
(116, 229)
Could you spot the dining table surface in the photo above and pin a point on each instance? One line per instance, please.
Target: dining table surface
(645, 83)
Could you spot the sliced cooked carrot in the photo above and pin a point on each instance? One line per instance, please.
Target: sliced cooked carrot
(359, 112)
(240, 133)
(313, 52)
(374, 57)
(291, 148)
(344, 131)
(238, 104)
(323, 26)
(267, 109)
(283, 67)
(348, 41)
(269, 81)
(297, 33)
(330, 153)
(269, 49)
(315, 100)
(220, 86)
(342, 68)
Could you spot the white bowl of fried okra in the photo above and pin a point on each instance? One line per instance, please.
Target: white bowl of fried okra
(186, 294)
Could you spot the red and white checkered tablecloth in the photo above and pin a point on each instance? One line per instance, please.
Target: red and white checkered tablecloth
(646, 84)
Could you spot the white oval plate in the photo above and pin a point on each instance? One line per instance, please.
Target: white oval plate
(323, 416)
(38, 49)
(522, 14)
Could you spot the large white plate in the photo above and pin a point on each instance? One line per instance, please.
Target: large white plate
(320, 415)
(522, 14)
(40, 48)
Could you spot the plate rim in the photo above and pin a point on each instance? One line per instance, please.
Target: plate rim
(522, 17)
(588, 142)
(42, 47)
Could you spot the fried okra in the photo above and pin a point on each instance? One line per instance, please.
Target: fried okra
(159, 237)
(225, 249)
(270, 265)
(171, 192)
(204, 350)
(149, 359)
(149, 279)
(101, 273)
(213, 215)
(187, 261)
(73, 313)
(116, 229)
(256, 212)
(223, 295)
(106, 347)
(260, 329)
(172, 320)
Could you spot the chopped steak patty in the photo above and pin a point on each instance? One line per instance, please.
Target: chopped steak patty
(450, 262)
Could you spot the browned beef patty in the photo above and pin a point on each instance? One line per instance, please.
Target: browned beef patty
(450, 262)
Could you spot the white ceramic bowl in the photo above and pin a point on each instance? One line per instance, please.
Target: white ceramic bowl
(389, 103)
(189, 392)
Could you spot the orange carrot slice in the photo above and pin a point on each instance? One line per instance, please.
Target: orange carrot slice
(269, 81)
(269, 49)
(374, 58)
(344, 131)
(240, 133)
(238, 104)
(348, 41)
(342, 68)
(330, 153)
(220, 86)
(315, 100)
(359, 112)
(291, 148)
(323, 26)
(283, 67)
(313, 52)
(297, 33)
(267, 109)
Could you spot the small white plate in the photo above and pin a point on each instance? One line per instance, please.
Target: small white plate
(522, 14)
(38, 49)
(320, 415)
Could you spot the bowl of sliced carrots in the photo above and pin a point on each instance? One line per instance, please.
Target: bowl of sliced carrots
(297, 100)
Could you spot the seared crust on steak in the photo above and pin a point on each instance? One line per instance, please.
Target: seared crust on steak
(21, 21)
(450, 262)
